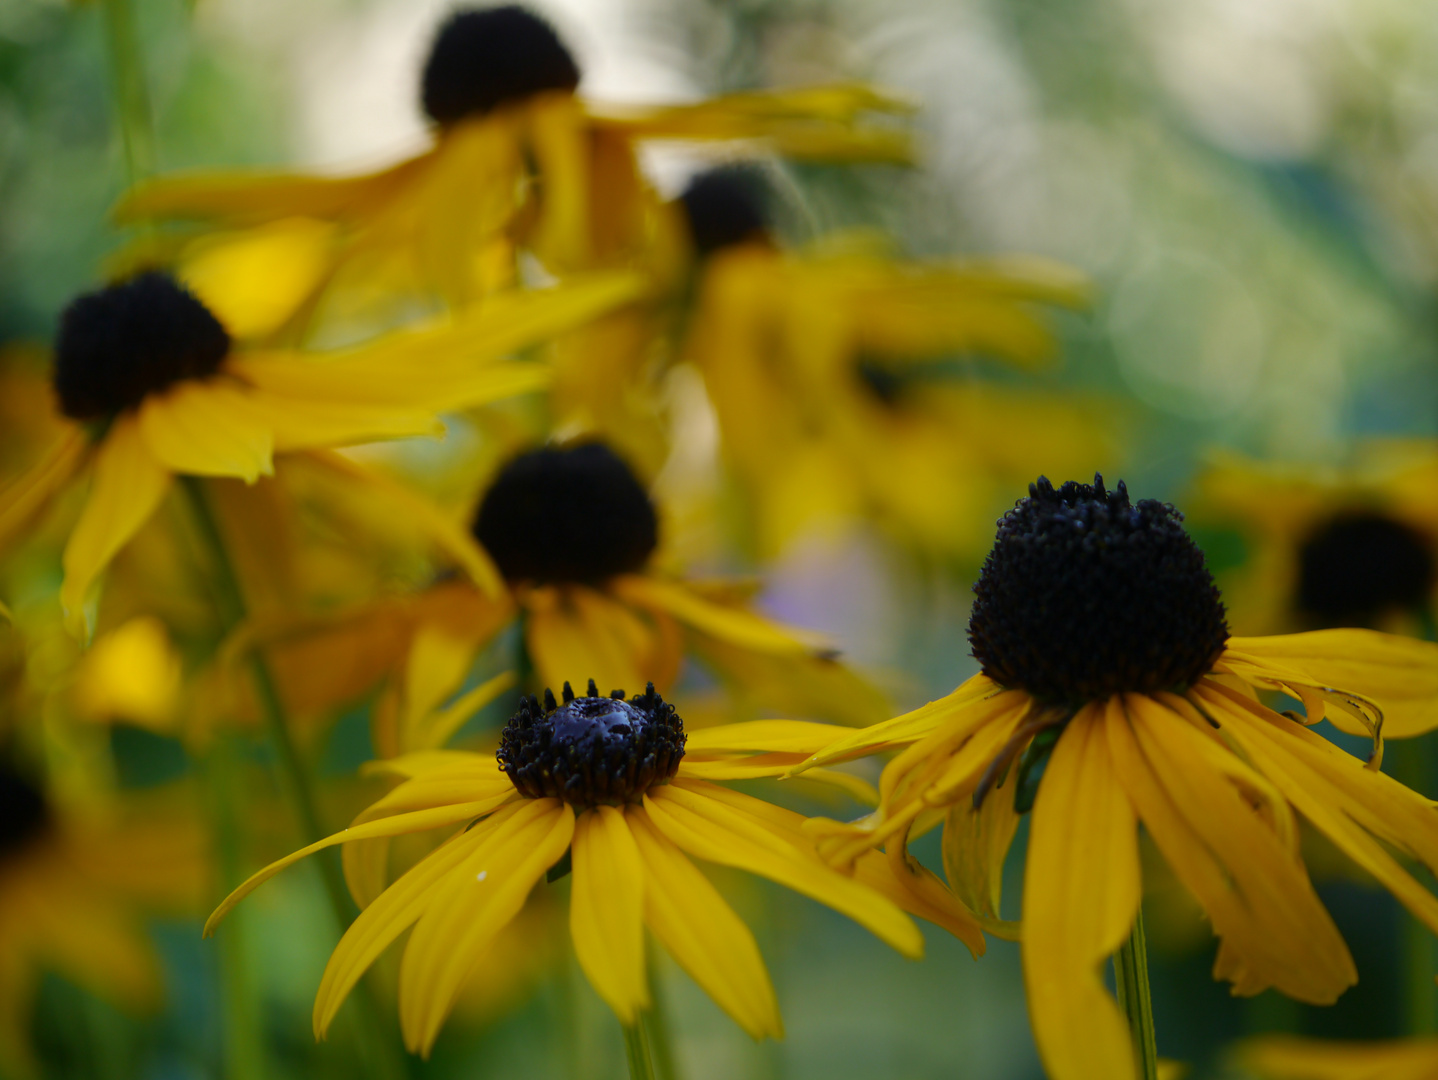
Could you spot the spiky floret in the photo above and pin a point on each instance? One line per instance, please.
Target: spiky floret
(119, 344)
(1085, 595)
(1358, 566)
(592, 750)
(724, 207)
(567, 514)
(482, 58)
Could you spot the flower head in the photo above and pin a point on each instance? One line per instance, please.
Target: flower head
(724, 207)
(615, 782)
(1361, 564)
(483, 58)
(1111, 696)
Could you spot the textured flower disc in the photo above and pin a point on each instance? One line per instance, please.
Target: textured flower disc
(1085, 595)
(725, 207)
(567, 514)
(22, 811)
(592, 750)
(124, 342)
(483, 58)
(1357, 566)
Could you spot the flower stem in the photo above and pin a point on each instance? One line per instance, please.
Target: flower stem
(656, 1023)
(229, 599)
(132, 98)
(636, 1050)
(1130, 976)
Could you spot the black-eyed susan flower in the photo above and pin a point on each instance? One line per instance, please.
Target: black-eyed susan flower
(517, 160)
(75, 883)
(150, 386)
(620, 786)
(1289, 1057)
(1112, 695)
(834, 378)
(1326, 546)
(574, 536)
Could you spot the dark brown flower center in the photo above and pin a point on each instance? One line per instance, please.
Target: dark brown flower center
(483, 58)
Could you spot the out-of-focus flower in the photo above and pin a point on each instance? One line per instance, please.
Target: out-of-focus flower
(1112, 694)
(619, 786)
(74, 884)
(152, 388)
(1289, 1057)
(1331, 547)
(517, 160)
(573, 534)
(832, 376)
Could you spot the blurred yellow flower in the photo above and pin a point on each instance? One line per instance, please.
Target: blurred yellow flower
(74, 885)
(517, 159)
(1112, 694)
(831, 377)
(620, 786)
(1289, 1057)
(151, 387)
(1355, 546)
(131, 674)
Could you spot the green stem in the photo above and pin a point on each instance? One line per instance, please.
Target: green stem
(230, 601)
(636, 1051)
(658, 1029)
(132, 99)
(1130, 976)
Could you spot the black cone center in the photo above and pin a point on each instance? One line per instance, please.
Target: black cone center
(592, 750)
(1085, 595)
(121, 343)
(483, 58)
(1358, 566)
(23, 814)
(567, 514)
(724, 207)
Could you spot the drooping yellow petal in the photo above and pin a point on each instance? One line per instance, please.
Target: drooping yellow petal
(899, 876)
(577, 634)
(1081, 894)
(1253, 887)
(1400, 674)
(606, 911)
(28, 496)
(392, 912)
(975, 845)
(1291, 1057)
(393, 825)
(440, 726)
(208, 428)
(702, 933)
(469, 908)
(127, 484)
(763, 737)
(734, 625)
(704, 826)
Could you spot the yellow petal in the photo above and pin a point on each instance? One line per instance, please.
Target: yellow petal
(705, 827)
(208, 428)
(584, 635)
(702, 933)
(469, 908)
(606, 911)
(728, 624)
(1400, 674)
(1081, 894)
(394, 825)
(439, 727)
(901, 878)
(762, 737)
(976, 843)
(131, 673)
(21, 501)
(126, 486)
(1290, 1057)
(253, 281)
(1253, 887)
(392, 913)
(299, 423)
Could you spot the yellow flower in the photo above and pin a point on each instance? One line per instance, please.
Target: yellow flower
(1355, 546)
(151, 387)
(825, 370)
(1288, 1057)
(517, 158)
(74, 883)
(1112, 695)
(572, 533)
(619, 786)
